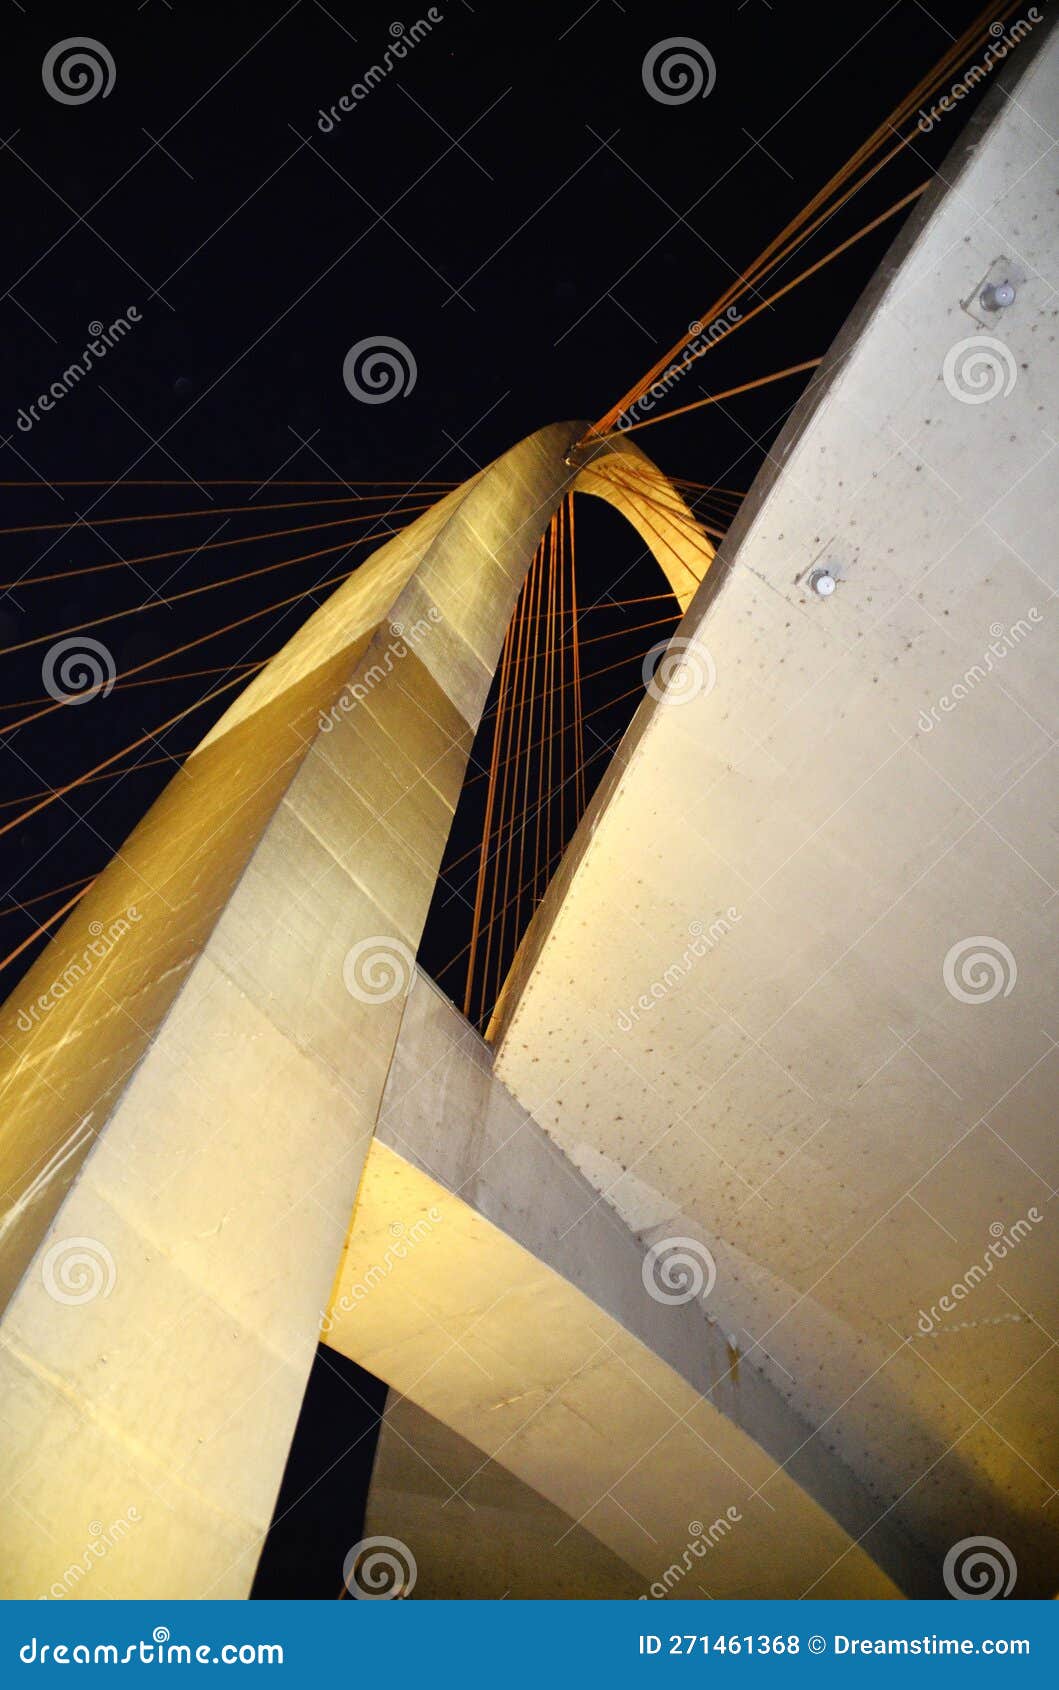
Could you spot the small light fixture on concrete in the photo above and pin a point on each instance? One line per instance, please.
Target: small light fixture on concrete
(823, 582)
(996, 295)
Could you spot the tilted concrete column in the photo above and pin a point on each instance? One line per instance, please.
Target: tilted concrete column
(194, 1066)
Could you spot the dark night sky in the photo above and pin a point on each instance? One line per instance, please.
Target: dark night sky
(510, 203)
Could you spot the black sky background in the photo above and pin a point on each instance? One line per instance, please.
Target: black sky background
(513, 206)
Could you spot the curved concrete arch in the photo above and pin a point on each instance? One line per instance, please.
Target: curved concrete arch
(168, 1081)
(616, 471)
(193, 1068)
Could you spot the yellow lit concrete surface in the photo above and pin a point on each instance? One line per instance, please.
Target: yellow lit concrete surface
(748, 1008)
(193, 1067)
(485, 1281)
(479, 1532)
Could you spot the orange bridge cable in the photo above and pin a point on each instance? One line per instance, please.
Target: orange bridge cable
(697, 510)
(453, 960)
(174, 598)
(540, 670)
(697, 502)
(207, 510)
(523, 745)
(530, 880)
(765, 304)
(504, 725)
(598, 710)
(570, 717)
(523, 741)
(527, 768)
(632, 628)
(736, 493)
(705, 523)
(708, 505)
(690, 526)
(214, 633)
(543, 659)
(936, 75)
(39, 897)
(70, 786)
(535, 696)
(561, 635)
(691, 529)
(776, 254)
(688, 523)
(529, 815)
(174, 763)
(486, 828)
(755, 276)
(770, 258)
(43, 927)
(567, 730)
(649, 489)
(714, 398)
(238, 481)
(153, 680)
(540, 628)
(193, 551)
(606, 669)
(612, 604)
(576, 640)
(803, 275)
(599, 639)
(551, 696)
(539, 674)
(527, 764)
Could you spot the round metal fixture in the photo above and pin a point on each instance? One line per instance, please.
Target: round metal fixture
(996, 295)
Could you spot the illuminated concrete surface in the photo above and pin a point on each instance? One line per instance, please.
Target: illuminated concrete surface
(808, 1099)
(478, 1531)
(485, 1281)
(858, 787)
(184, 1125)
